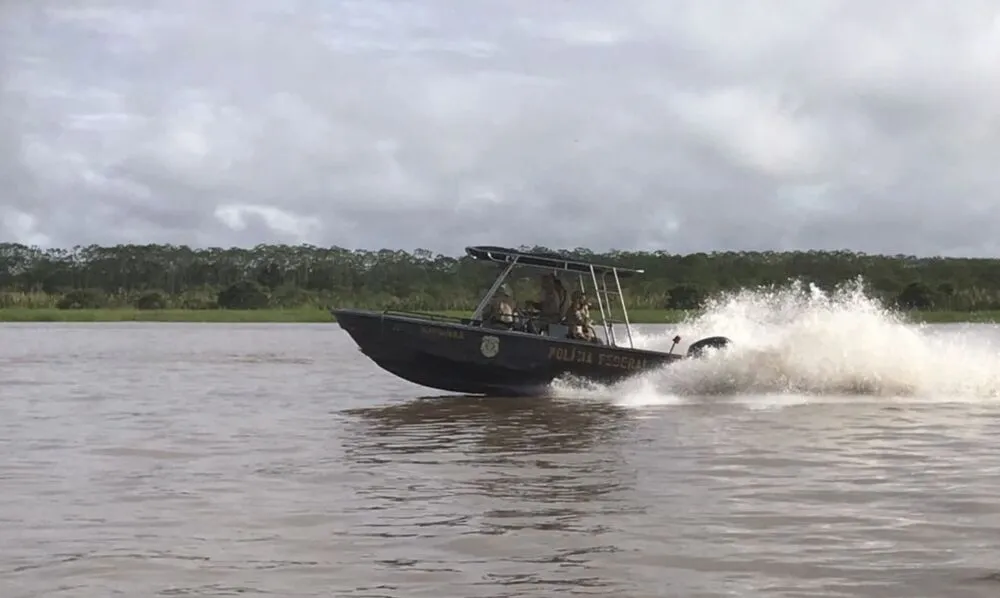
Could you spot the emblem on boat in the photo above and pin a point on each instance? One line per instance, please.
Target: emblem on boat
(490, 346)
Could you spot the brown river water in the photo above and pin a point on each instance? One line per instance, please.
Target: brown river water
(275, 460)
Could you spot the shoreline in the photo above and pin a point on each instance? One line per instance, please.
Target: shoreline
(316, 315)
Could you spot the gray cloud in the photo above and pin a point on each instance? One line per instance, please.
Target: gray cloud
(680, 125)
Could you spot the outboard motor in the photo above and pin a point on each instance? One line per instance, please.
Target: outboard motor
(697, 348)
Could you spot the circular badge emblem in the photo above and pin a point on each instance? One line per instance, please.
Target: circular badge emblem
(490, 346)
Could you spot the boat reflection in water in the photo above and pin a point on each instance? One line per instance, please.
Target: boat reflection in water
(495, 466)
(516, 426)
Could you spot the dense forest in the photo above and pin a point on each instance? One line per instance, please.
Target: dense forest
(281, 276)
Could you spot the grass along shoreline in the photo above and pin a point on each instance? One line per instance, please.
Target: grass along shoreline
(316, 315)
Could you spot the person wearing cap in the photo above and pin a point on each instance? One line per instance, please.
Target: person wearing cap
(500, 312)
(581, 327)
(553, 302)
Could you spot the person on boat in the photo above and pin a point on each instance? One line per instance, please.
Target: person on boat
(581, 327)
(500, 311)
(553, 302)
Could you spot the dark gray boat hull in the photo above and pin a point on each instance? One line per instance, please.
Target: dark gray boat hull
(456, 356)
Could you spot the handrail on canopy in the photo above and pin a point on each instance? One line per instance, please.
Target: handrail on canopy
(554, 261)
(511, 258)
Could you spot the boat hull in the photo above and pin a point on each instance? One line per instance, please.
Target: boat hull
(455, 356)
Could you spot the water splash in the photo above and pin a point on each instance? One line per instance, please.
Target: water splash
(800, 341)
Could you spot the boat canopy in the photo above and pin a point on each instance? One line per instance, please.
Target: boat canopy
(554, 261)
(598, 274)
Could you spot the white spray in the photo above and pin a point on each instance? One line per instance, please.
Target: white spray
(799, 340)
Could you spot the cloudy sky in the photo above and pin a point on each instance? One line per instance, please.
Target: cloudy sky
(636, 124)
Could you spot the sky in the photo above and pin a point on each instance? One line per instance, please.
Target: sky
(685, 126)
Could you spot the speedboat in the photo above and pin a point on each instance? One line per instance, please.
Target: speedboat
(476, 356)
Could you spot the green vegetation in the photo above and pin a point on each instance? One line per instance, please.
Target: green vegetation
(298, 283)
(131, 314)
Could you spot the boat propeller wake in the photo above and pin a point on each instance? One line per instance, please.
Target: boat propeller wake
(799, 340)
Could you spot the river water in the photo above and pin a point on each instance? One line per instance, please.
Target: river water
(220, 460)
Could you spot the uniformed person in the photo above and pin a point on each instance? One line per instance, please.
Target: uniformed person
(581, 327)
(500, 311)
(552, 306)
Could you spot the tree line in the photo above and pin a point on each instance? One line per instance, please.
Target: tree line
(284, 276)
